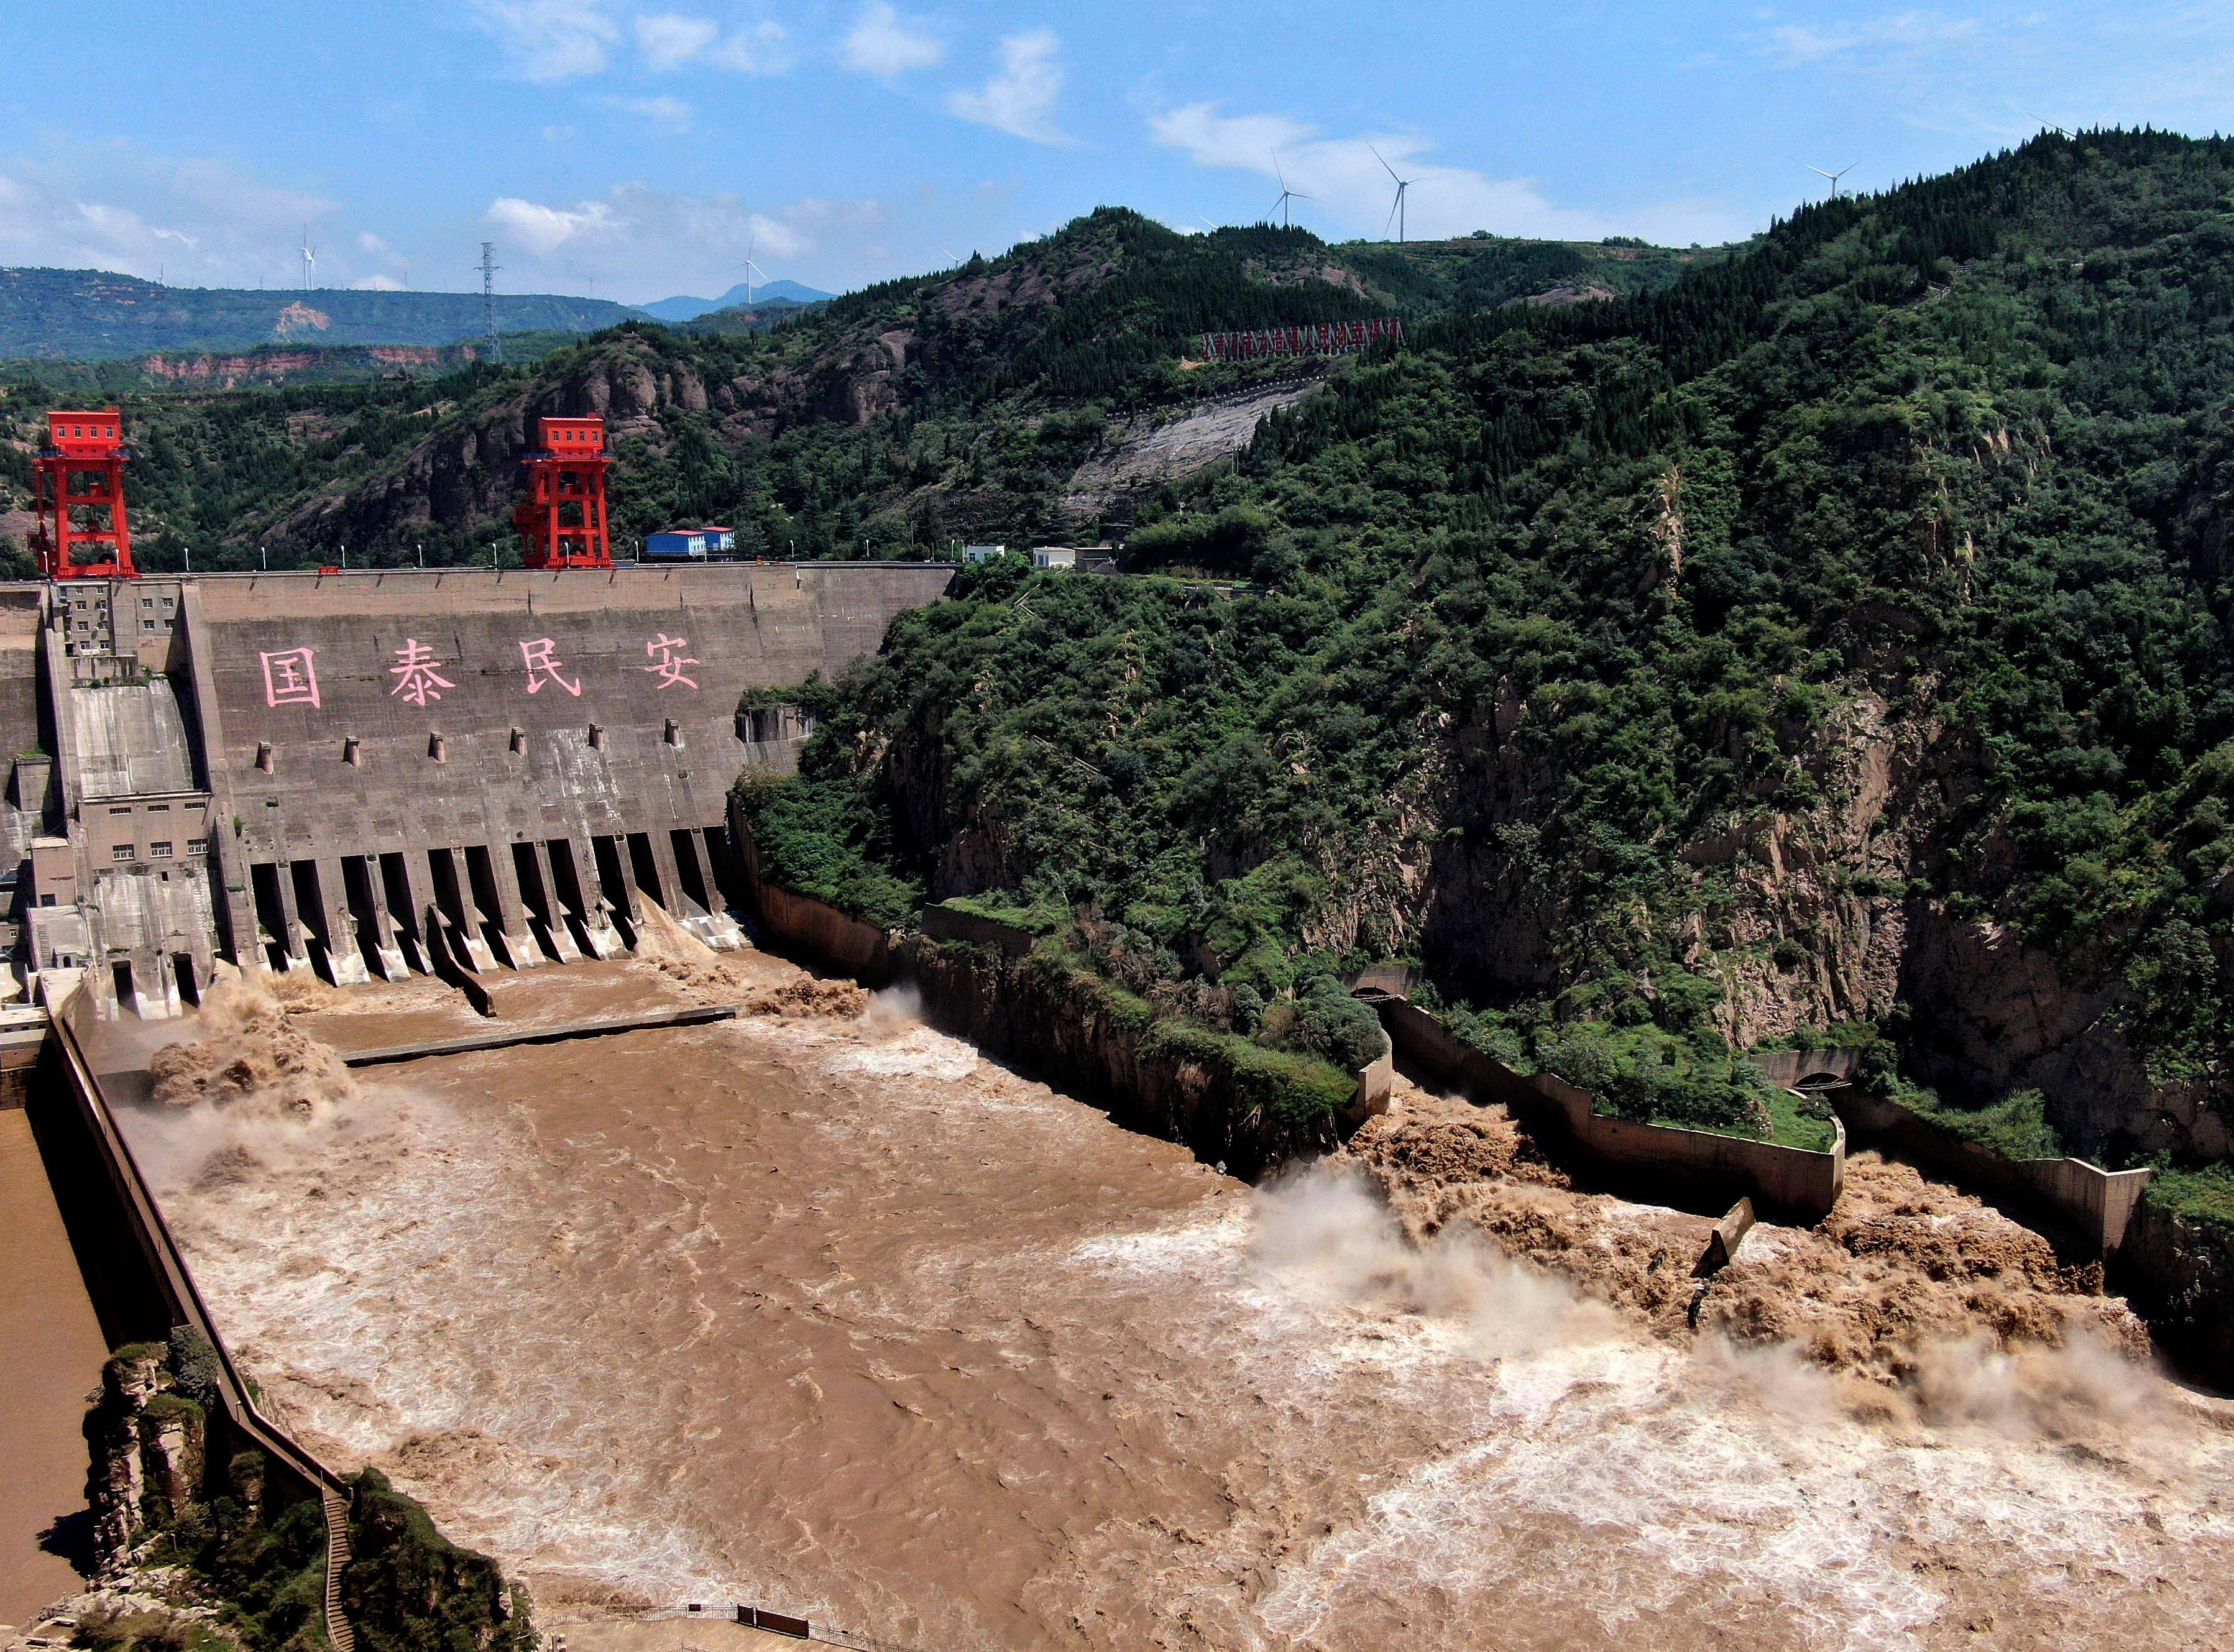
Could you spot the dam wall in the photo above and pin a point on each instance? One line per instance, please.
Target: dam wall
(392, 770)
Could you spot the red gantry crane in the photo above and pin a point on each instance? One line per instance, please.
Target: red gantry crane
(562, 521)
(77, 478)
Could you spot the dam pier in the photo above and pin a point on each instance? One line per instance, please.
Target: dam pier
(384, 773)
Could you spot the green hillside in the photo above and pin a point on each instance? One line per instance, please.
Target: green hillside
(92, 315)
(1839, 634)
(905, 416)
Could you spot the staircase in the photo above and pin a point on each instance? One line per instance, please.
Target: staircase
(338, 1633)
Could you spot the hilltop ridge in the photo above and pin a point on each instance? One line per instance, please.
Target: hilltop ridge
(95, 315)
(961, 403)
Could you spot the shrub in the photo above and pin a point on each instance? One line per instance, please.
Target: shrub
(821, 840)
(1645, 1074)
(1331, 1023)
(195, 1373)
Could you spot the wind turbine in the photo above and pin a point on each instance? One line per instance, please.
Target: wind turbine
(750, 268)
(310, 257)
(1286, 195)
(1835, 176)
(1396, 211)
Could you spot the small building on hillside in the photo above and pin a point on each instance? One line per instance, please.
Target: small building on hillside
(688, 544)
(1083, 559)
(974, 554)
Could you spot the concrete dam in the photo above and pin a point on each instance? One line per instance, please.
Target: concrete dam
(370, 773)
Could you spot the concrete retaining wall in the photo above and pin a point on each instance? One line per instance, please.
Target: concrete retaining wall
(824, 933)
(1789, 1067)
(950, 923)
(1691, 1164)
(804, 925)
(2084, 1202)
(989, 997)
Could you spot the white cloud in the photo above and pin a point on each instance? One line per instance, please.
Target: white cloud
(113, 207)
(668, 40)
(1020, 100)
(366, 242)
(1352, 190)
(377, 283)
(635, 238)
(761, 52)
(669, 111)
(546, 229)
(551, 40)
(879, 43)
(1793, 44)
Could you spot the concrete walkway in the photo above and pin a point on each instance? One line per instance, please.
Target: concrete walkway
(51, 1355)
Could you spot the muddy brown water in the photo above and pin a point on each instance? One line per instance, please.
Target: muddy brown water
(835, 1316)
(51, 1351)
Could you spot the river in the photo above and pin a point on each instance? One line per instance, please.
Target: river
(826, 1313)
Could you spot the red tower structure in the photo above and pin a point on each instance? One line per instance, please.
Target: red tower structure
(562, 521)
(82, 471)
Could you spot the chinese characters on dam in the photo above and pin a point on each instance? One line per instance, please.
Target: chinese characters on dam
(290, 676)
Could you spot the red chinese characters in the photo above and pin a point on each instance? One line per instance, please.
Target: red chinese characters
(540, 654)
(290, 677)
(668, 659)
(416, 678)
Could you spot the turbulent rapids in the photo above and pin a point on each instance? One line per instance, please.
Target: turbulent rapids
(819, 1309)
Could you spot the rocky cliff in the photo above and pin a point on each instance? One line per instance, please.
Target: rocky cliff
(231, 1545)
(1867, 903)
(148, 1447)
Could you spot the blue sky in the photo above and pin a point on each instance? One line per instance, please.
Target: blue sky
(642, 147)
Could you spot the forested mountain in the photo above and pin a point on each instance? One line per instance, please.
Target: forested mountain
(1835, 639)
(94, 315)
(907, 415)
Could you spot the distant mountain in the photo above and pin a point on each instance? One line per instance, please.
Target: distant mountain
(685, 308)
(92, 315)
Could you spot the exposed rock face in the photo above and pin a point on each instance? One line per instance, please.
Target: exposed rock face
(1140, 454)
(147, 1447)
(1851, 909)
(2181, 1274)
(297, 319)
(455, 477)
(459, 478)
